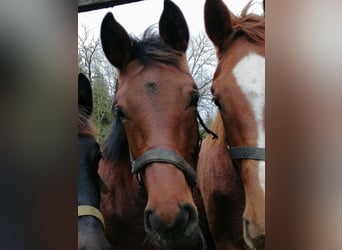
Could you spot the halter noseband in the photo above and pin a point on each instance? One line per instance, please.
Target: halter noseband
(170, 157)
(164, 156)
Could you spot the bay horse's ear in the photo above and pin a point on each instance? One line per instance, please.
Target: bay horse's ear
(173, 28)
(116, 43)
(85, 95)
(217, 22)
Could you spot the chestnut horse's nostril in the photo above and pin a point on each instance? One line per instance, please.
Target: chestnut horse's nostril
(259, 242)
(252, 239)
(245, 222)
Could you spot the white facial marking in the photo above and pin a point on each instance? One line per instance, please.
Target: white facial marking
(249, 73)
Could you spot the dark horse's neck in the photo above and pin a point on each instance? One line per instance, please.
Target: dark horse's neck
(88, 182)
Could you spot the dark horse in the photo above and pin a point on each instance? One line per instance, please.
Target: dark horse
(152, 150)
(90, 221)
(232, 169)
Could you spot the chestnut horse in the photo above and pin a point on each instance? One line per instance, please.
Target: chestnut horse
(151, 152)
(232, 181)
(90, 221)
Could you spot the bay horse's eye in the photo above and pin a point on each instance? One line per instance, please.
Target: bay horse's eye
(217, 103)
(194, 98)
(119, 113)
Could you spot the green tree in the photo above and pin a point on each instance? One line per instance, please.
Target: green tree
(102, 102)
(102, 76)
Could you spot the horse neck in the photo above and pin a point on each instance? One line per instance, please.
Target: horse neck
(218, 128)
(117, 173)
(88, 185)
(89, 192)
(209, 143)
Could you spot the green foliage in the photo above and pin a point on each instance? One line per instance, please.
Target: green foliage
(102, 102)
(92, 63)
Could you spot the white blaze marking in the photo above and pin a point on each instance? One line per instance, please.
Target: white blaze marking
(249, 73)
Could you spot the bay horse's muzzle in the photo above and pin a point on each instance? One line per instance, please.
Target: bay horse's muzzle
(183, 233)
(171, 229)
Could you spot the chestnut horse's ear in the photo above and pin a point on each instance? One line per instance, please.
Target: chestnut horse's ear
(116, 43)
(173, 28)
(85, 95)
(217, 22)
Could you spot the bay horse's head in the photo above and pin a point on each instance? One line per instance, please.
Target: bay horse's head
(155, 117)
(90, 221)
(239, 92)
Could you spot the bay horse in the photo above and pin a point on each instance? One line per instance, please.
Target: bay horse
(90, 221)
(231, 169)
(152, 150)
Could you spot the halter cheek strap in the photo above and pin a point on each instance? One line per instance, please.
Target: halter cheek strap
(85, 210)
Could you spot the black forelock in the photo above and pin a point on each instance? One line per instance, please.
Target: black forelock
(151, 49)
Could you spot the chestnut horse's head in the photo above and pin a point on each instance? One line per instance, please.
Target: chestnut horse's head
(239, 92)
(155, 117)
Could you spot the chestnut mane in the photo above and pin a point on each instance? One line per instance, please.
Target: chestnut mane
(249, 24)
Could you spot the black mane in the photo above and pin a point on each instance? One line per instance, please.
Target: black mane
(151, 49)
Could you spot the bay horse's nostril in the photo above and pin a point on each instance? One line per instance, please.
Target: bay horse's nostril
(185, 218)
(182, 218)
(156, 224)
(147, 220)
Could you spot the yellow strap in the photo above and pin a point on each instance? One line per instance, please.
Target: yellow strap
(92, 211)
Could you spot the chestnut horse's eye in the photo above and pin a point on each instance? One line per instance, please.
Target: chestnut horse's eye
(119, 113)
(194, 98)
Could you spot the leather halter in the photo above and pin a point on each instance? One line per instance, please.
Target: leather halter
(170, 157)
(247, 152)
(84, 210)
(164, 156)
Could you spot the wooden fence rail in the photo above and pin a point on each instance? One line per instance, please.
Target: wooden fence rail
(88, 5)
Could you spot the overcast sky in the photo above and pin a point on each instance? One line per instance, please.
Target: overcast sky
(136, 17)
